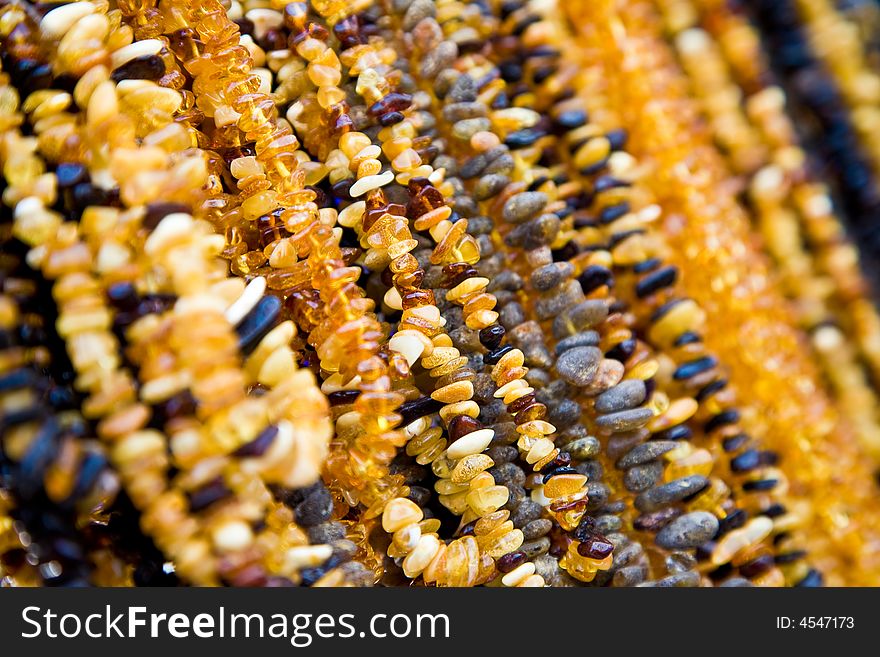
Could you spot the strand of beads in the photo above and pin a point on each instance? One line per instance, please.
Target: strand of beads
(673, 324)
(60, 477)
(528, 136)
(622, 425)
(857, 81)
(363, 468)
(270, 357)
(427, 200)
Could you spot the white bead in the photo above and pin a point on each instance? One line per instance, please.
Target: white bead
(134, 50)
(247, 301)
(307, 556)
(26, 206)
(234, 535)
(392, 299)
(58, 21)
(264, 20)
(417, 560)
(169, 229)
(518, 574)
(407, 345)
(369, 183)
(471, 443)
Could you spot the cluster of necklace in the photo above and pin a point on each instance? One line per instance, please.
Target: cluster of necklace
(433, 292)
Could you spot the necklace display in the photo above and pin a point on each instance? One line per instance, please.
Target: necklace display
(429, 292)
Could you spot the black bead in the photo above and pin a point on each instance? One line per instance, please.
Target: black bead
(733, 443)
(207, 495)
(571, 119)
(646, 265)
(495, 355)
(613, 213)
(491, 336)
(147, 67)
(708, 390)
(656, 280)
(257, 323)
(748, 460)
(156, 212)
(259, 445)
(678, 432)
(412, 410)
(734, 520)
(722, 419)
(594, 277)
(813, 579)
(694, 367)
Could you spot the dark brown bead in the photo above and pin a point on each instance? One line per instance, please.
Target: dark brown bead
(413, 410)
(509, 562)
(148, 67)
(561, 461)
(468, 529)
(757, 566)
(456, 273)
(393, 102)
(259, 445)
(271, 227)
(181, 404)
(412, 279)
(340, 397)
(391, 118)
(519, 404)
(417, 298)
(208, 494)
(462, 425)
(536, 411)
(252, 575)
(156, 212)
(491, 336)
(595, 547)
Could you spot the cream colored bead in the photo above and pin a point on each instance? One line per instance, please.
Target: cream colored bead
(58, 21)
(418, 559)
(399, 513)
(518, 574)
(232, 536)
(466, 287)
(369, 183)
(411, 345)
(264, 20)
(472, 443)
(306, 556)
(247, 301)
(507, 388)
(392, 299)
